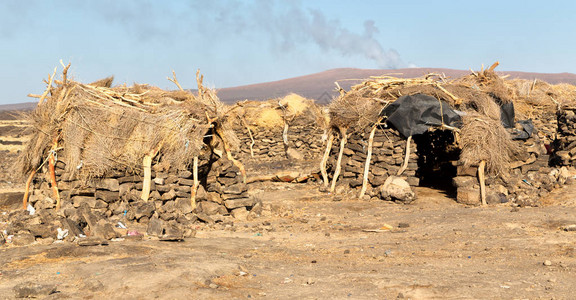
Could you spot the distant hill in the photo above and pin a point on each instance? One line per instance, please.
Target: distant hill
(18, 106)
(321, 87)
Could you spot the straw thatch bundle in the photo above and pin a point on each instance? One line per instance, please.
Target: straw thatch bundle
(478, 96)
(293, 110)
(96, 129)
(537, 98)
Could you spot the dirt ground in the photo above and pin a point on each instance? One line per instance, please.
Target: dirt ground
(307, 246)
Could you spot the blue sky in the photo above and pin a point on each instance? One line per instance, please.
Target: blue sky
(242, 42)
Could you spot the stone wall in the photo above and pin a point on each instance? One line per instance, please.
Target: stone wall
(387, 157)
(95, 207)
(434, 162)
(269, 145)
(565, 143)
(530, 178)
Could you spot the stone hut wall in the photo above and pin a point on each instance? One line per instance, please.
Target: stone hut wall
(269, 145)
(168, 211)
(388, 151)
(565, 143)
(530, 177)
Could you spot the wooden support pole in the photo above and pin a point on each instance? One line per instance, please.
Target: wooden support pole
(406, 158)
(285, 135)
(325, 158)
(194, 188)
(482, 181)
(343, 140)
(147, 165)
(27, 192)
(367, 164)
(252, 142)
(51, 163)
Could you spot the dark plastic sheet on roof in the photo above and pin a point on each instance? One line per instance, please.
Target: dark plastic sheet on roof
(415, 114)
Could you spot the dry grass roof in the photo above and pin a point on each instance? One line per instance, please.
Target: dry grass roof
(96, 128)
(478, 95)
(292, 109)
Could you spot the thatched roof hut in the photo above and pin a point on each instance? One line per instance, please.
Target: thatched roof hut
(274, 114)
(477, 108)
(478, 96)
(277, 128)
(96, 128)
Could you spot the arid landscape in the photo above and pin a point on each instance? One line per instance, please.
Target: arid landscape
(305, 243)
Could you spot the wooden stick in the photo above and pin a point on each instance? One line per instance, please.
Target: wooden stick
(252, 143)
(147, 164)
(285, 134)
(175, 80)
(482, 181)
(325, 158)
(51, 79)
(51, 162)
(406, 158)
(194, 188)
(230, 157)
(65, 72)
(367, 164)
(199, 79)
(27, 192)
(492, 67)
(343, 140)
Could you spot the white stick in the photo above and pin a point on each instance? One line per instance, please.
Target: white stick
(482, 181)
(406, 158)
(339, 162)
(367, 165)
(325, 158)
(196, 183)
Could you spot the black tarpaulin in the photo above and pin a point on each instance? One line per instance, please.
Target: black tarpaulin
(415, 114)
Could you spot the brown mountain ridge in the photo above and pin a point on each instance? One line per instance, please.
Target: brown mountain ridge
(320, 86)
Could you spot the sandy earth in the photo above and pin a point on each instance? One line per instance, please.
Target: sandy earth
(308, 246)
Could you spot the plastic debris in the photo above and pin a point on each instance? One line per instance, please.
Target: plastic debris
(31, 209)
(384, 228)
(62, 233)
(133, 233)
(121, 225)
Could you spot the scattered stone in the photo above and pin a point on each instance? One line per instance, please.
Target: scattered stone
(571, 227)
(547, 263)
(396, 188)
(468, 195)
(103, 230)
(211, 208)
(172, 233)
(34, 290)
(403, 225)
(205, 218)
(155, 227)
(92, 241)
(240, 213)
(236, 203)
(23, 239)
(294, 154)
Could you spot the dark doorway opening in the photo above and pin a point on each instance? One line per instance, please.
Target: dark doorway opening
(437, 157)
